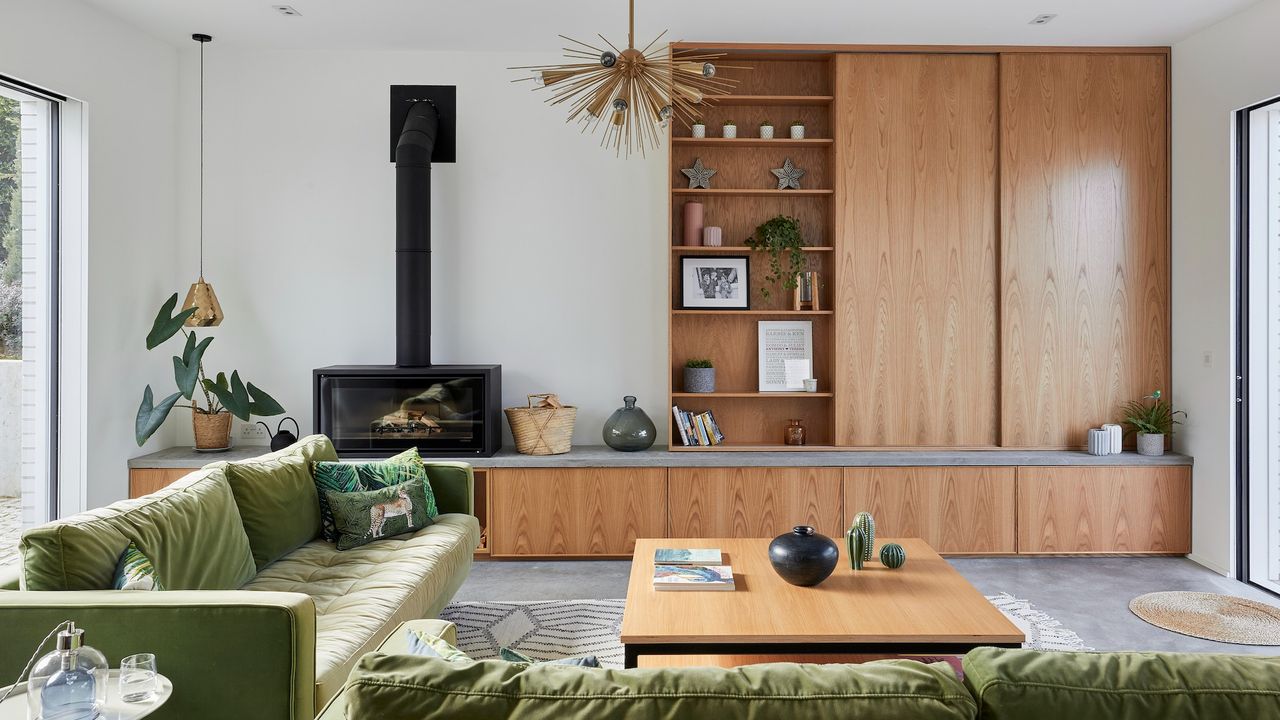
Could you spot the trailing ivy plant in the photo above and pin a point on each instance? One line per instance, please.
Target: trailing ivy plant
(221, 394)
(1155, 418)
(780, 236)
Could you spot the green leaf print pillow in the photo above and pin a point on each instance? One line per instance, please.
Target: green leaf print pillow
(343, 477)
(362, 517)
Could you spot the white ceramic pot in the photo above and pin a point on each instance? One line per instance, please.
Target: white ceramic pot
(699, 131)
(1150, 444)
(797, 132)
(731, 131)
(766, 132)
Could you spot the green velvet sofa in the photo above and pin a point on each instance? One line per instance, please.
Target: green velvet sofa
(260, 617)
(998, 684)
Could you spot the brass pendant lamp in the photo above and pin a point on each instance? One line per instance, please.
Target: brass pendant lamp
(201, 296)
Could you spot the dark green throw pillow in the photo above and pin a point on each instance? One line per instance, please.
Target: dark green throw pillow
(362, 517)
(340, 477)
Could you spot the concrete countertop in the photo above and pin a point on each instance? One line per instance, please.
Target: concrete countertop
(601, 456)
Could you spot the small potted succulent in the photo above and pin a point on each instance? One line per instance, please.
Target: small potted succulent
(766, 130)
(699, 376)
(730, 129)
(797, 130)
(1151, 421)
(699, 128)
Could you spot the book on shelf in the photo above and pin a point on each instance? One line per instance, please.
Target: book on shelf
(687, 556)
(697, 429)
(692, 577)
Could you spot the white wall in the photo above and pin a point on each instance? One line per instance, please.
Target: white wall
(549, 252)
(1215, 72)
(128, 82)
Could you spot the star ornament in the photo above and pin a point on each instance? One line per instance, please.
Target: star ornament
(699, 176)
(788, 175)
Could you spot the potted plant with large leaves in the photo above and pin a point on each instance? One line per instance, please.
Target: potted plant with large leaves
(223, 397)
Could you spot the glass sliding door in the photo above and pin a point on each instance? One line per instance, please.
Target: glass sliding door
(1259, 179)
(28, 311)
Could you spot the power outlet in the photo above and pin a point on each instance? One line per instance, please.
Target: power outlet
(252, 432)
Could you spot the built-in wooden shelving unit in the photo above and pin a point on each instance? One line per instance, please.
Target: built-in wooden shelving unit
(780, 88)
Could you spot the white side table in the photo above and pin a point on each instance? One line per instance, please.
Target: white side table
(15, 708)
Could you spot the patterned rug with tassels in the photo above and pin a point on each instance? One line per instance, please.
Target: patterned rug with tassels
(570, 628)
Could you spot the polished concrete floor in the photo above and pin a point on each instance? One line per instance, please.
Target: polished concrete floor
(1088, 595)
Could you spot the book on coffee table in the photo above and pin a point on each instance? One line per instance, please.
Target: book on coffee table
(687, 556)
(692, 577)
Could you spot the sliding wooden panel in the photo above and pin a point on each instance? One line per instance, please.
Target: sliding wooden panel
(916, 246)
(1085, 247)
(1130, 510)
(575, 512)
(954, 509)
(144, 481)
(753, 502)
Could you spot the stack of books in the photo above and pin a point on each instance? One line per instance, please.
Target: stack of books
(697, 429)
(691, 569)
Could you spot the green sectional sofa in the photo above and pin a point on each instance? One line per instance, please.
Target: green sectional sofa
(997, 685)
(261, 619)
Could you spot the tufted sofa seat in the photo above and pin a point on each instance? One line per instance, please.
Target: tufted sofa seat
(261, 619)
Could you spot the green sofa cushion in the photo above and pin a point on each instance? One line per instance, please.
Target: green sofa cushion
(277, 503)
(408, 686)
(191, 530)
(363, 517)
(1030, 685)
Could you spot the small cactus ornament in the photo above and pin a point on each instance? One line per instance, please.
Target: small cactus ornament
(893, 556)
(867, 524)
(856, 543)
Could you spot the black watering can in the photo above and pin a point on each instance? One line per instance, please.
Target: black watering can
(282, 438)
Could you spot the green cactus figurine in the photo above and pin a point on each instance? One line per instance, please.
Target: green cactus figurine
(893, 556)
(856, 543)
(867, 524)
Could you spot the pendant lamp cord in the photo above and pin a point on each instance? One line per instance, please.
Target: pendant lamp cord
(65, 624)
(202, 44)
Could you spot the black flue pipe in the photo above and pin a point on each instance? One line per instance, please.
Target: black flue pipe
(413, 235)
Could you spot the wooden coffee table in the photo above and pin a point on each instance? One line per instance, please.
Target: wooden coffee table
(925, 607)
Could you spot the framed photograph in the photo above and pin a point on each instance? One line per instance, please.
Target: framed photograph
(786, 355)
(720, 282)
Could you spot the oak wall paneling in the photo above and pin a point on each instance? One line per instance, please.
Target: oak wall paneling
(1085, 241)
(144, 481)
(753, 502)
(958, 510)
(916, 286)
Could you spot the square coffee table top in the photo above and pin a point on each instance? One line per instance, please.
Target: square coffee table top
(925, 601)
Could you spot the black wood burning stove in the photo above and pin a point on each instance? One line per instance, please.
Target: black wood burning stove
(443, 410)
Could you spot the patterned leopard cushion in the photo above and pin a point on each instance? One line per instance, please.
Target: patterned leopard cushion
(362, 517)
(135, 571)
(341, 477)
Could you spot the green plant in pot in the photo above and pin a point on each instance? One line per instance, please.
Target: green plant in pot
(222, 397)
(780, 236)
(1151, 421)
(699, 376)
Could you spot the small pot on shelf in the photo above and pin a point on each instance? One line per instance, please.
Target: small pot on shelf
(766, 131)
(699, 377)
(797, 130)
(1151, 444)
(699, 129)
(212, 430)
(730, 131)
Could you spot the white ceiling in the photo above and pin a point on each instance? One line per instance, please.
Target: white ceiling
(534, 24)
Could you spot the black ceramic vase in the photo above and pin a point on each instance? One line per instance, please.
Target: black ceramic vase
(803, 557)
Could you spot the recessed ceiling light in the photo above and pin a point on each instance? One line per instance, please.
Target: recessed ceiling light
(1043, 19)
(286, 10)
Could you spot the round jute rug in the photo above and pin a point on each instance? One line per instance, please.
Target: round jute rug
(1211, 616)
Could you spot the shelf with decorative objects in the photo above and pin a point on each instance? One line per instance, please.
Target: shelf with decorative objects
(745, 142)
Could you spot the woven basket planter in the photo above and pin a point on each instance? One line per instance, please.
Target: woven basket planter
(542, 429)
(213, 432)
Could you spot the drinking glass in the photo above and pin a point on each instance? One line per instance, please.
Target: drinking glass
(138, 678)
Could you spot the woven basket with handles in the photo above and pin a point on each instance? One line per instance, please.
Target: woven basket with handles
(544, 428)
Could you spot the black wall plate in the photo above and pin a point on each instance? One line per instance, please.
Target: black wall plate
(445, 98)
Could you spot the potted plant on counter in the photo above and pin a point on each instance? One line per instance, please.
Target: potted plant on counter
(699, 376)
(223, 397)
(766, 130)
(1151, 421)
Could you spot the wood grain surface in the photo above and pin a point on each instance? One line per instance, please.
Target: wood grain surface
(144, 481)
(1129, 510)
(753, 502)
(916, 250)
(925, 601)
(574, 511)
(957, 510)
(1085, 246)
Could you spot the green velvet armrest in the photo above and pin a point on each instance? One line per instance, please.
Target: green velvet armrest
(454, 486)
(230, 654)
(9, 580)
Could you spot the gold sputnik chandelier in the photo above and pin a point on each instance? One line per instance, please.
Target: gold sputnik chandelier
(636, 92)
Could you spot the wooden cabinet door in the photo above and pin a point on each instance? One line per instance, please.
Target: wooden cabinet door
(144, 481)
(954, 509)
(753, 502)
(575, 511)
(1130, 510)
(1085, 241)
(917, 279)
